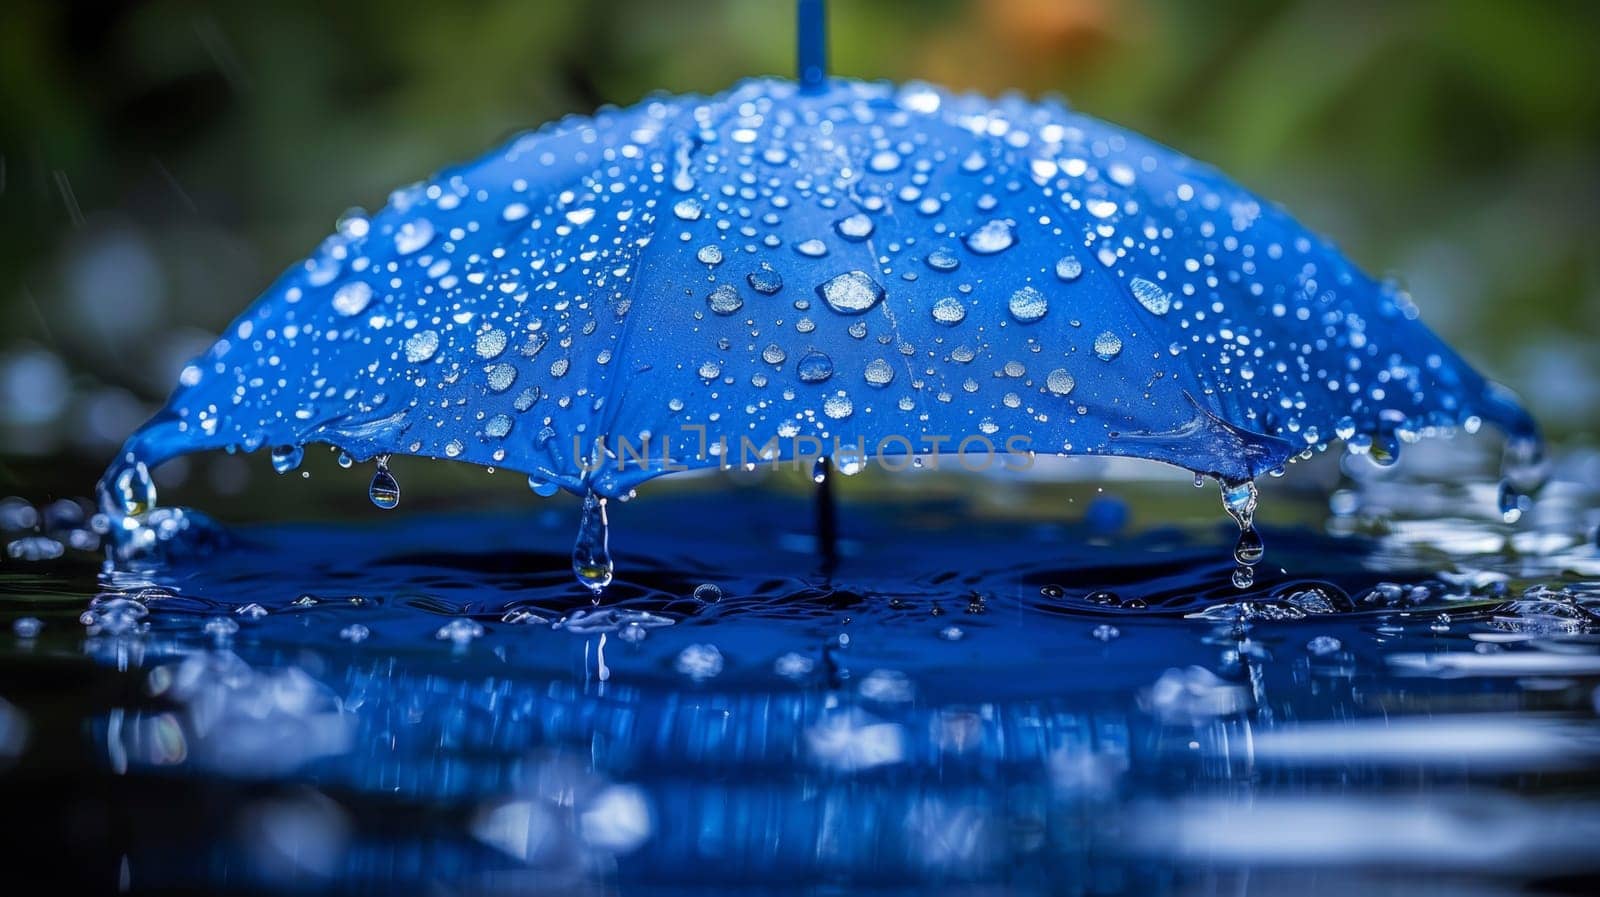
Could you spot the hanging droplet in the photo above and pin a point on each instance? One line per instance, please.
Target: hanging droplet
(1239, 500)
(346, 461)
(591, 554)
(132, 492)
(542, 488)
(1249, 549)
(385, 489)
(287, 457)
(819, 471)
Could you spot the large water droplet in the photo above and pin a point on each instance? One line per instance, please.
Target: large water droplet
(352, 298)
(879, 372)
(815, 367)
(765, 280)
(1150, 295)
(1060, 382)
(725, 300)
(855, 227)
(591, 554)
(949, 311)
(385, 489)
(1028, 305)
(850, 293)
(1068, 268)
(421, 346)
(1107, 346)
(994, 236)
(942, 259)
(413, 236)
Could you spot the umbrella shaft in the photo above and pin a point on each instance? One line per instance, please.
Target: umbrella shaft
(811, 21)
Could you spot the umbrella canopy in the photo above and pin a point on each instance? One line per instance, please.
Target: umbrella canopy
(834, 268)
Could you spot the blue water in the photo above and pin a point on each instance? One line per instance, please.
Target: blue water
(1015, 688)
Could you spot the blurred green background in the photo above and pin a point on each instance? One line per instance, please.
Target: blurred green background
(160, 162)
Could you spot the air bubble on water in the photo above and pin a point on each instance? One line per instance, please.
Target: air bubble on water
(355, 633)
(814, 367)
(591, 553)
(708, 593)
(384, 490)
(114, 616)
(460, 631)
(793, 665)
(1324, 645)
(699, 662)
(1243, 577)
(765, 280)
(1106, 632)
(1107, 346)
(27, 627)
(951, 633)
(850, 293)
(1028, 305)
(287, 457)
(994, 236)
(220, 629)
(1053, 591)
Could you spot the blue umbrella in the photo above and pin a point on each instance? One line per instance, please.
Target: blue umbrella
(791, 272)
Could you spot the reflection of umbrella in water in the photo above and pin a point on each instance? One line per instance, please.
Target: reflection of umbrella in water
(824, 270)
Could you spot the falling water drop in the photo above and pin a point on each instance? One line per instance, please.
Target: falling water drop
(819, 471)
(1239, 500)
(1249, 549)
(1510, 502)
(591, 554)
(132, 492)
(385, 489)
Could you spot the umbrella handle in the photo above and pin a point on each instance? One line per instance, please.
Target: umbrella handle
(811, 44)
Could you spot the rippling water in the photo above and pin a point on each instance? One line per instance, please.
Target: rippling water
(1021, 688)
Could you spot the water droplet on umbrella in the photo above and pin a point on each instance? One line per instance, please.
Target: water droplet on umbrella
(879, 372)
(688, 209)
(709, 255)
(949, 311)
(854, 227)
(413, 236)
(814, 367)
(1068, 268)
(385, 489)
(710, 370)
(994, 236)
(421, 346)
(1154, 299)
(287, 457)
(812, 248)
(773, 354)
(838, 406)
(765, 280)
(591, 554)
(725, 300)
(352, 298)
(850, 293)
(942, 259)
(1060, 382)
(1107, 346)
(1028, 305)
